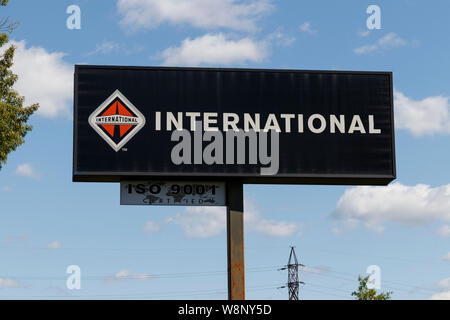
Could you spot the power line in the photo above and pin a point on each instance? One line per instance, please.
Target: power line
(389, 286)
(325, 293)
(127, 251)
(348, 277)
(148, 276)
(152, 295)
(293, 280)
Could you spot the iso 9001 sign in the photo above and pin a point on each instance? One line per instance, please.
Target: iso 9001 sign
(172, 193)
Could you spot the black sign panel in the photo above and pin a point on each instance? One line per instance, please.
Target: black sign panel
(254, 126)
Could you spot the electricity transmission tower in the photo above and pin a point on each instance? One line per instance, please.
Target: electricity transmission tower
(292, 268)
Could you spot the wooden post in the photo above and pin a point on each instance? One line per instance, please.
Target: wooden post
(235, 241)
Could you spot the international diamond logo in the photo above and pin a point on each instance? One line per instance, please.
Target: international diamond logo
(117, 120)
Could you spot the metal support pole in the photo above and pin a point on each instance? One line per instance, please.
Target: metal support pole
(235, 241)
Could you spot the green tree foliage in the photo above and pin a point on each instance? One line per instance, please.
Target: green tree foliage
(13, 115)
(365, 293)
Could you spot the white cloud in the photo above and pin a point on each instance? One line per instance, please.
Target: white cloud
(17, 239)
(446, 256)
(363, 33)
(389, 41)
(54, 245)
(444, 231)
(204, 222)
(10, 283)
(420, 117)
(397, 203)
(207, 14)
(201, 222)
(444, 286)
(5, 189)
(105, 47)
(280, 39)
(213, 49)
(441, 296)
(128, 275)
(27, 170)
(276, 228)
(151, 227)
(306, 27)
(316, 270)
(254, 221)
(44, 78)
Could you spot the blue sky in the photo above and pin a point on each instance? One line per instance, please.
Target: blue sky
(48, 223)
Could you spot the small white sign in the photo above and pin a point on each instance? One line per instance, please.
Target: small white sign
(172, 193)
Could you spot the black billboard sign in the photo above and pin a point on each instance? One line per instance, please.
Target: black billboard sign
(248, 125)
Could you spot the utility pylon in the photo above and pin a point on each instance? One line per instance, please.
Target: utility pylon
(292, 268)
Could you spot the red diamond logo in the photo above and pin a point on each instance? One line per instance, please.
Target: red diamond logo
(116, 120)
